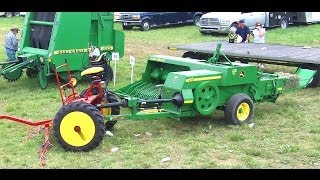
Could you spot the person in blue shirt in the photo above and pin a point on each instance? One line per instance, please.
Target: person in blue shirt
(11, 43)
(243, 31)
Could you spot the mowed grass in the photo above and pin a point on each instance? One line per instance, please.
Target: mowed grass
(286, 133)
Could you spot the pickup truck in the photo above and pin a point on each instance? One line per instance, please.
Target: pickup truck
(220, 22)
(147, 20)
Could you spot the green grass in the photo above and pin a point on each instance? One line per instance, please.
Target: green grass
(286, 133)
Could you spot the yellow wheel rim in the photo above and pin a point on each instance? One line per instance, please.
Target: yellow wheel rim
(74, 81)
(243, 111)
(77, 128)
(106, 111)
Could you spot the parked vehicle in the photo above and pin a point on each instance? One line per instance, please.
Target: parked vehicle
(9, 14)
(147, 20)
(23, 13)
(220, 22)
(307, 17)
(116, 16)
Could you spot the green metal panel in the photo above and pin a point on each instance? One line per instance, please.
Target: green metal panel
(190, 79)
(305, 76)
(71, 36)
(119, 42)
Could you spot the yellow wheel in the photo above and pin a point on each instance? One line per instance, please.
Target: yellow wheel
(239, 109)
(243, 111)
(78, 127)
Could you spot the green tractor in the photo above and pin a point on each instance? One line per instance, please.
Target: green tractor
(50, 39)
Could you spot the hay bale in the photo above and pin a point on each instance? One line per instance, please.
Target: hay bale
(292, 82)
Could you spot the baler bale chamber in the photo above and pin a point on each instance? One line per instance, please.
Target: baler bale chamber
(50, 39)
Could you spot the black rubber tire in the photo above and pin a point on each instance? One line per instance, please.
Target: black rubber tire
(203, 32)
(95, 91)
(190, 54)
(284, 23)
(32, 73)
(111, 98)
(91, 111)
(8, 14)
(16, 14)
(108, 73)
(145, 25)
(231, 108)
(196, 20)
(126, 27)
(115, 110)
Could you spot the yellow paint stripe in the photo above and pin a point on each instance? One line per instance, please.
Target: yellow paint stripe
(147, 111)
(106, 48)
(70, 51)
(188, 101)
(202, 78)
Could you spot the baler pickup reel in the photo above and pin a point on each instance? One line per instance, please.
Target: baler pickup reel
(12, 70)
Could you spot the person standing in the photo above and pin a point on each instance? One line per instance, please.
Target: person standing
(243, 31)
(259, 33)
(11, 43)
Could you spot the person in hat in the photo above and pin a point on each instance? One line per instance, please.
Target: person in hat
(259, 33)
(11, 43)
(243, 31)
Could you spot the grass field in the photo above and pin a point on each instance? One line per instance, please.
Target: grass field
(286, 133)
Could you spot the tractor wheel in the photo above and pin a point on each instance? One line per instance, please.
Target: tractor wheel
(12, 76)
(78, 127)
(16, 14)
(115, 110)
(239, 109)
(32, 73)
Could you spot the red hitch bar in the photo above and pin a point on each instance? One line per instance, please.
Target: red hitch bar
(47, 126)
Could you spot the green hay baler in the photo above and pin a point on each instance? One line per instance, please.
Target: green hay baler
(52, 38)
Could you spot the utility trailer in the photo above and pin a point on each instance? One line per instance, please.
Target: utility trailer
(305, 58)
